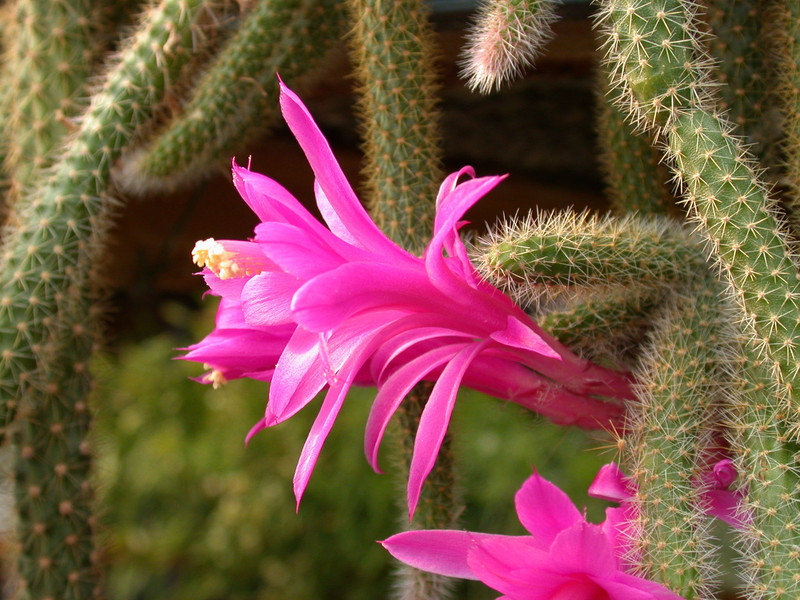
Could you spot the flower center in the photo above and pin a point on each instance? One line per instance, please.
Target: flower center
(228, 259)
(580, 589)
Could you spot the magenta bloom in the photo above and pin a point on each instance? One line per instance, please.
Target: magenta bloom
(308, 307)
(563, 558)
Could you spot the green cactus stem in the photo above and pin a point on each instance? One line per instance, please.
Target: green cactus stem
(654, 47)
(235, 100)
(392, 49)
(786, 28)
(725, 196)
(634, 175)
(655, 56)
(737, 46)
(670, 434)
(605, 325)
(540, 254)
(46, 323)
(769, 540)
(51, 56)
(504, 39)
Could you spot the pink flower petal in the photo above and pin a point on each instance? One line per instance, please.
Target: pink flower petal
(434, 421)
(518, 335)
(337, 202)
(611, 484)
(442, 551)
(267, 299)
(325, 301)
(544, 509)
(271, 201)
(299, 376)
(515, 566)
(394, 390)
(583, 548)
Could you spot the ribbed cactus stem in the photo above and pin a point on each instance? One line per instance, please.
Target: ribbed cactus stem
(726, 197)
(392, 49)
(769, 539)
(670, 431)
(51, 58)
(634, 175)
(653, 48)
(540, 252)
(787, 29)
(654, 55)
(46, 319)
(505, 39)
(603, 325)
(741, 64)
(235, 100)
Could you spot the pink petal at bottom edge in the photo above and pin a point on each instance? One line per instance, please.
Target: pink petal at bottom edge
(435, 419)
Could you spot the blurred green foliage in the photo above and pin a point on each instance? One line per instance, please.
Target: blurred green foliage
(190, 513)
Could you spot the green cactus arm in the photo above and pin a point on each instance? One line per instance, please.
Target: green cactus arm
(51, 59)
(741, 65)
(655, 56)
(666, 85)
(670, 430)
(787, 30)
(724, 194)
(536, 254)
(504, 39)
(769, 537)
(392, 51)
(634, 175)
(604, 325)
(45, 306)
(236, 97)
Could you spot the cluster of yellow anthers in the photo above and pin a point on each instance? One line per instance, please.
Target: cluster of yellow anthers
(225, 263)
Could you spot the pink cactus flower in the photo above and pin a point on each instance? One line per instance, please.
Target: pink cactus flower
(308, 307)
(563, 558)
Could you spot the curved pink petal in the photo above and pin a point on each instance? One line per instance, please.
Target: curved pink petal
(625, 586)
(296, 251)
(583, 548)
(434, 421)
(267, 299)
(400, 342)
(394, 390)
(442, 551)
(611, 484)
(271, 201)
(518, 335)
(299, 376)
(516, 567)
(544, 509)
(337, 202)
(325, 301)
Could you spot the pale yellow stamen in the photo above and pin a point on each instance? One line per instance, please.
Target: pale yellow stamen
(214, 377)
(210, 253)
